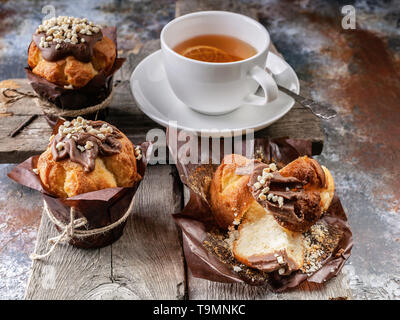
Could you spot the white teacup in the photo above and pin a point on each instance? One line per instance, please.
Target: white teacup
(218, 88)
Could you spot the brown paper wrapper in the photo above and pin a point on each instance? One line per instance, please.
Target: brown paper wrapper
(197, 223)
(96, 91)
(100, 208)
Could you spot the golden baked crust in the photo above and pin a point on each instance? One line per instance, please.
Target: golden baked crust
(70, 71)
(230, 197)
(104, 54)
(328, 192)
(66, 178)
(319, 179)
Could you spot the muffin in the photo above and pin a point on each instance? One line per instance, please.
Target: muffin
(266, 210)
(72, 61)
(87, 156)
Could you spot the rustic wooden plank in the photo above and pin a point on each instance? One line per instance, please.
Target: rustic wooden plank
(150, 257)
(204, 289)
(145, 263)
(208, 290)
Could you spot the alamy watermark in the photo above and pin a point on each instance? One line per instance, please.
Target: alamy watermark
(204, 147)
(349, 19)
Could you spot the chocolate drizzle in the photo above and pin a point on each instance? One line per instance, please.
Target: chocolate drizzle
(104, 146)
(300, 208)
(81, 51)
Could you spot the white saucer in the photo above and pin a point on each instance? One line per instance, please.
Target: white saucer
(156, 99)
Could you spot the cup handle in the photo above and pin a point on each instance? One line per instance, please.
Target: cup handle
(267, 83)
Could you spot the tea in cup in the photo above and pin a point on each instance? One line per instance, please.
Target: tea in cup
(215, 61)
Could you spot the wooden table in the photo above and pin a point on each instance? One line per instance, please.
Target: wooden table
(147, 262)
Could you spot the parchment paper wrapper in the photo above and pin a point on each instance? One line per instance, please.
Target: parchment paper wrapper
(100, 208)
(96, 91)
(196, 221)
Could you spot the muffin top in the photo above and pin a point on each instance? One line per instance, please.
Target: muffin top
(83, 141)
(85, 156)
(60, 37)
(70, 51)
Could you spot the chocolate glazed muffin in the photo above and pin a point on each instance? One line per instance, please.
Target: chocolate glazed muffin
(86, 156)
(72, 61)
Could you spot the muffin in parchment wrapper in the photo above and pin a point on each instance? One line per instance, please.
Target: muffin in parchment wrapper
(206, 246)
(101, 208)
(59, 101)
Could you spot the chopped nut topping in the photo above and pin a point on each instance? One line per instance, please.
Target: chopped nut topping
(237, 269)
(82, 149)
(273, 167)
(257, 185)
(36, 171)
(66, 29)
(81, 125)
(280, 260)
(265, 190)
(262, 197)
(280, 202)
(138, 153)
(267, 175)
(60, 146)
(281, 271)
(89, 145)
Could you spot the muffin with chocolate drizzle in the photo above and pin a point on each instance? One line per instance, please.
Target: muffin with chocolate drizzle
(266, 211)
(87, 156)
(71, 61)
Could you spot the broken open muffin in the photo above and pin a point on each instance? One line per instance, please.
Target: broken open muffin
(267, 211)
